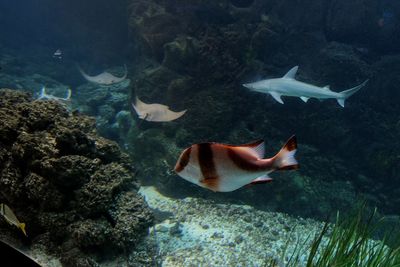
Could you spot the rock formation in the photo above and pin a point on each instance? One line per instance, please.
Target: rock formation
(76, 191)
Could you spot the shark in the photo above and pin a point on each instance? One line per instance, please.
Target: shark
(155, 112)
(289, 86)
(104, 78)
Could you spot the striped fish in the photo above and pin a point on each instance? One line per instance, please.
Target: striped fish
(10, 217)
(225, 168)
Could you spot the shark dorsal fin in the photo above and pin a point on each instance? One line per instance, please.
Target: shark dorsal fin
(291, 73)
(327, 87)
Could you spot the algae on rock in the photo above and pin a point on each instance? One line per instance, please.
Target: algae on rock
(76, 191)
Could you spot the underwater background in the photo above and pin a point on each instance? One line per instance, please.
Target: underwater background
(72, 171)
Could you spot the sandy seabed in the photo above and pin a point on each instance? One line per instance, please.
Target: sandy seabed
(202, 233)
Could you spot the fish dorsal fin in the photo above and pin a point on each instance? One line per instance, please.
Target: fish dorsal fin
(276, 96)
(327, 87)
(257, 147)
(305, 99)
(291, 73)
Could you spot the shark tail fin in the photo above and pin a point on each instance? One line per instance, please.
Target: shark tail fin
(347, 93)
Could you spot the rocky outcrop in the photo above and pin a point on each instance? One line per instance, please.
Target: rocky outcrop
(75, 191)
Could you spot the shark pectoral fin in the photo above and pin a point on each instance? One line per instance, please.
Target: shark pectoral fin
(305, 99)
(291, 73)
(277, 97)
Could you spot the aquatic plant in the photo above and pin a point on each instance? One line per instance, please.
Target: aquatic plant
(347, 243)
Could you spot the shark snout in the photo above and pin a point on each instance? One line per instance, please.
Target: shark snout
(247, 85)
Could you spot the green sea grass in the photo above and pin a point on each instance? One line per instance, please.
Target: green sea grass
(347, 243)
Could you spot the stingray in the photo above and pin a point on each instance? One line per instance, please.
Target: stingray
(104, 78)
(155, 112)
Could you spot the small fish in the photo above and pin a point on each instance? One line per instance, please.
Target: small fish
(155, 112)
(43, 95)
(104, 78)
(10, 217)
(58, 54)
(225, 168)
(289, 86)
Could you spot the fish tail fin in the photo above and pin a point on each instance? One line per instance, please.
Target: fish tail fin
(22, 227)
(347, 93)
(285, 159)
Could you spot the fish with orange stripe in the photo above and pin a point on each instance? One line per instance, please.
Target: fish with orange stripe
(225, 168)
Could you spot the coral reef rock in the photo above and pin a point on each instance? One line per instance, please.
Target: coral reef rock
(76, 191)
(108, 104)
